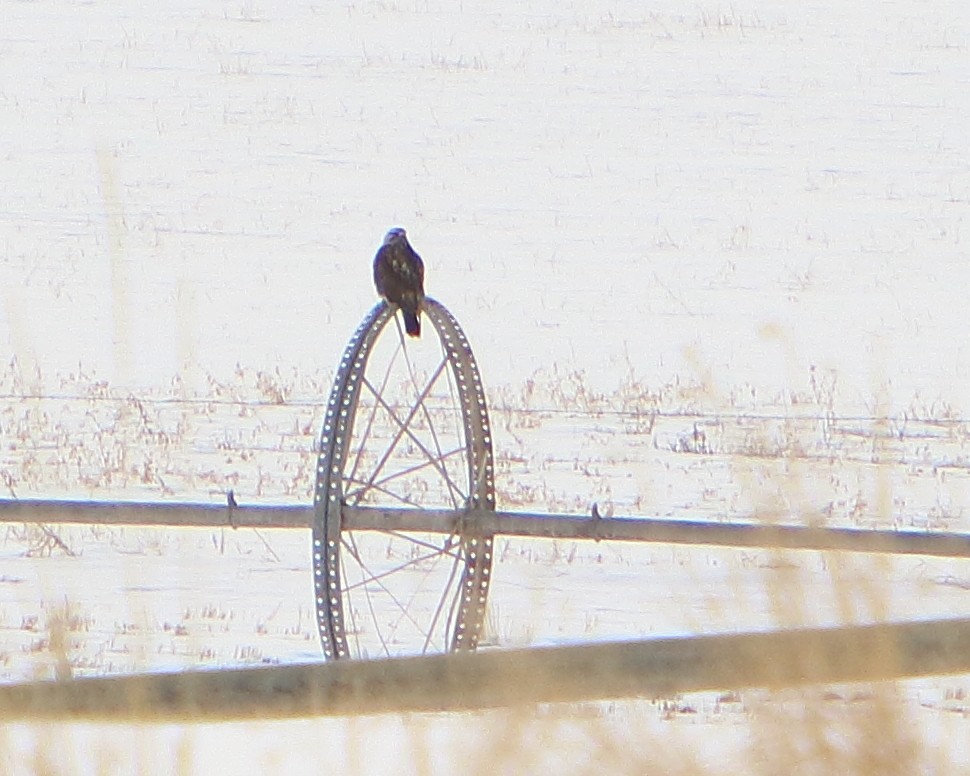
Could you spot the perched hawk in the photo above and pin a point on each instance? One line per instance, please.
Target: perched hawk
(399, 277)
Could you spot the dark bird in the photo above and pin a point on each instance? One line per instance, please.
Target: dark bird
(399, 277)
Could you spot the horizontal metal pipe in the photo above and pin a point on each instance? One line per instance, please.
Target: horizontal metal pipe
(659, 530)
(153, 513)
(463, 681)
(535, 525)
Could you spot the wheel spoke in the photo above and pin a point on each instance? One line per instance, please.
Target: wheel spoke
(354, 496)
(372, 415)
(401, 425)
(403, 429)
(350, 613)
(445, 549)
(459, 430)
(403, 608)
(351, 544)
(436, 552)
(386, 491)
(441, 601)
(427, 416)
(427, 632)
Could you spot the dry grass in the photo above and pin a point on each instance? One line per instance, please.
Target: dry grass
(684, 450)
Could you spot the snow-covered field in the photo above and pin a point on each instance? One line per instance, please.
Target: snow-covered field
(708, 255)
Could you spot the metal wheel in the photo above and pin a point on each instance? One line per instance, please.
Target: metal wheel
(406, 426)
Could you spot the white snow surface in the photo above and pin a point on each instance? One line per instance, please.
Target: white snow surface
(753, 200)
(729, 189)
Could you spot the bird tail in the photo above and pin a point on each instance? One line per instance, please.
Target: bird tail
(412, 324)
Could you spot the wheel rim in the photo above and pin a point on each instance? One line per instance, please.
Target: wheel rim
(406, 426)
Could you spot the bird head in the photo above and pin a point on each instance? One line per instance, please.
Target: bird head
(394, 235)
